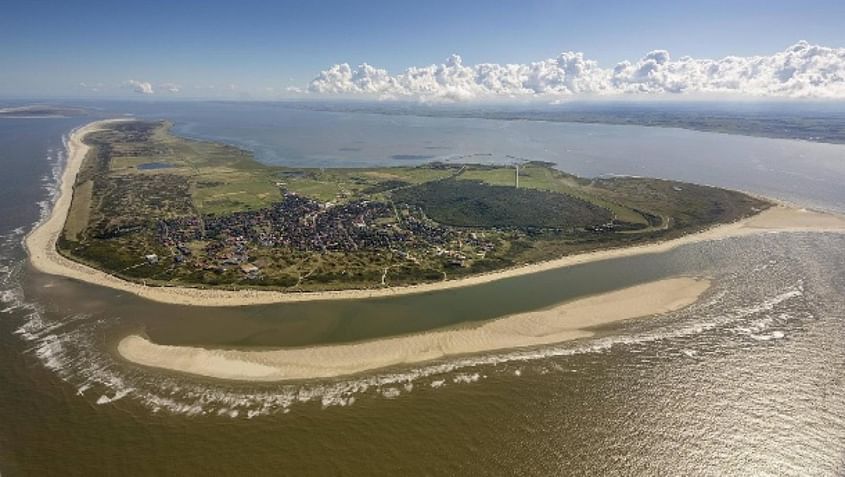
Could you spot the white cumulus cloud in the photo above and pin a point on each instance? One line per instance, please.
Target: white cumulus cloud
(142, 87)
(802, 70)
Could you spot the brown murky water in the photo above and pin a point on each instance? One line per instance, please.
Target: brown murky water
(747, 382)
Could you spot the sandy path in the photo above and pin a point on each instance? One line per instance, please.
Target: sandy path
(41, 244)
(560, 323)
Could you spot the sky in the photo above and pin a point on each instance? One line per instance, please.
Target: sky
(267, 50)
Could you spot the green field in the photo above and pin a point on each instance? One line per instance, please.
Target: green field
(153, 207)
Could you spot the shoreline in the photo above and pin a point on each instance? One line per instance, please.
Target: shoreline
(44, 257)
(564, 322)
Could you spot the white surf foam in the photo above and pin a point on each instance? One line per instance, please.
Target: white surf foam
(68, 349)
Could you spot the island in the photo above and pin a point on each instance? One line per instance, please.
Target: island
(199, 223)
(157, 209)
(41, 111)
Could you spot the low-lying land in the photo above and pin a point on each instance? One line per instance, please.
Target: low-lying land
(40, 111)
(158, 209)
(774, 120)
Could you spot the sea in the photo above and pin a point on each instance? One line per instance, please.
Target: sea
(748, 381)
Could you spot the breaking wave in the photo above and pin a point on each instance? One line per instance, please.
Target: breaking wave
(70, 349)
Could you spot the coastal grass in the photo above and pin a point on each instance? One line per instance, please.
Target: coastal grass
(540, 176)
(339, 185)
(223, 191)
(80, 210)
(467, 203)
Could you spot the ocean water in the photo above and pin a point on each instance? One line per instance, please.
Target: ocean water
(746, 382)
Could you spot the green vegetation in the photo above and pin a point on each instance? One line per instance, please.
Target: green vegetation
(471, 203)
(152, 207)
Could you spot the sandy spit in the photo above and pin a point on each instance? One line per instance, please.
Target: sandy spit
(563, 322)
(41, 245)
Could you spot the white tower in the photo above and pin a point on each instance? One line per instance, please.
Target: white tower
(517, 175)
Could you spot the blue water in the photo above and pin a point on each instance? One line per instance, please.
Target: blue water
(29, 149)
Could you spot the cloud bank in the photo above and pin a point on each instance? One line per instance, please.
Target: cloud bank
(146, 88)
(801, 71)
(141, 87)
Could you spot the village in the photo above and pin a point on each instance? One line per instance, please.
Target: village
(302, 224)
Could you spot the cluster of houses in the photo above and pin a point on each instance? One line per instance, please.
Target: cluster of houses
(303, 224)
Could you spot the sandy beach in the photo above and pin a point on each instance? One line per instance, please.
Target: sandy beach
(41, 245)
(560, 323)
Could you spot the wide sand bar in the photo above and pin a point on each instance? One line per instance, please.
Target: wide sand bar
(563, 322)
